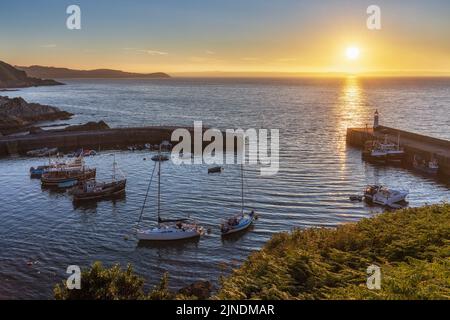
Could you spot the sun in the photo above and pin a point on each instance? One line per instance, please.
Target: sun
(352, 53)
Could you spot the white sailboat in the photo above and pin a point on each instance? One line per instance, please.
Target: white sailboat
(166, 230)
(242, 220)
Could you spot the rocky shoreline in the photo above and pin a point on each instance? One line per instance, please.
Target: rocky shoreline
(17, 115)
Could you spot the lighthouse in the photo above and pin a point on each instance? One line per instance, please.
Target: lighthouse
(375, 120)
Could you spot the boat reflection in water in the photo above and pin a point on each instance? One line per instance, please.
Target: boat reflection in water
(93, 204)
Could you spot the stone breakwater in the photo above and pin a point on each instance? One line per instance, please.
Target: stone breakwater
(412, 143)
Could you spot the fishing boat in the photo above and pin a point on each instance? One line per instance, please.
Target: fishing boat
(384, 196)
(429, 167)
(40, 170)
(167, 230)
(240, 221)
(59, 176)
(373, 152)
(394, 153)
(94, 190)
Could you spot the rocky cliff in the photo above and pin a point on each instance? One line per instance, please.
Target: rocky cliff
(16, 114)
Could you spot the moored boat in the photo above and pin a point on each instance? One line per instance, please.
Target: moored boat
(40, 170)
(160, 157)
(94, 190)
(394, 153)
(44, 152)
(217, 169)
(57, 176)
(429, 167)
(385, 196)
(167, 230)
(240, 221)
(372, 152)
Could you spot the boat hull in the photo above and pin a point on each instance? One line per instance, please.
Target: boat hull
(109, 190)
(244, 224)
(171, 234)
(54, 181)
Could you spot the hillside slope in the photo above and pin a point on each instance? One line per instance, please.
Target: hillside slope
(61, 73)
(11, 77)
(412, 247)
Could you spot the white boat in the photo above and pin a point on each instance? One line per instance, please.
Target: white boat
(393, 151)
(428, 167)
(179, 231)
(167, 230)
(240, 221)
(373, 152)
(385, 196)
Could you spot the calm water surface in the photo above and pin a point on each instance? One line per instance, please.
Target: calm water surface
(317, 172)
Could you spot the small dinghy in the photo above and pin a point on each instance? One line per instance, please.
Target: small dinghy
(37, 172)
(167, 230)
(160, 157)
(217, 169)
(356, 198)
(241, 221)
(384, 196)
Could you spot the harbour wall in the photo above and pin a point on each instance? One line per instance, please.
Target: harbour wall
(108, 139)
(414, 144)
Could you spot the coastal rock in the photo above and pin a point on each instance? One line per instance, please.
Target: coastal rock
(16, 114)
(200, 289)
(90, 126)
(11, 77)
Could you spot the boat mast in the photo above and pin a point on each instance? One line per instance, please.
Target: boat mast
(114, 168)
(242, 187)
(159, 185)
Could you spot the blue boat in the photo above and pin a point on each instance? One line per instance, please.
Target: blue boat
(237, 223)
(38, 171)
(67, 183)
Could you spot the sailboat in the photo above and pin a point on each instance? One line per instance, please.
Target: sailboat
(242, 220)
(166, 230)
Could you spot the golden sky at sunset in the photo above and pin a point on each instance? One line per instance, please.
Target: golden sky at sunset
(202, 36)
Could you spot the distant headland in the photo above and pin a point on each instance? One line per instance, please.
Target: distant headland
(65, 73)
(11, 77)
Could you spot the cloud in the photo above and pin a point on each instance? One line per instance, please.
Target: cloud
(209, 52)
(154, 52)
(147, 51)
(48, 46)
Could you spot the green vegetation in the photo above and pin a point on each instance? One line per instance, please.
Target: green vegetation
(100, 283)
(411, 246)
